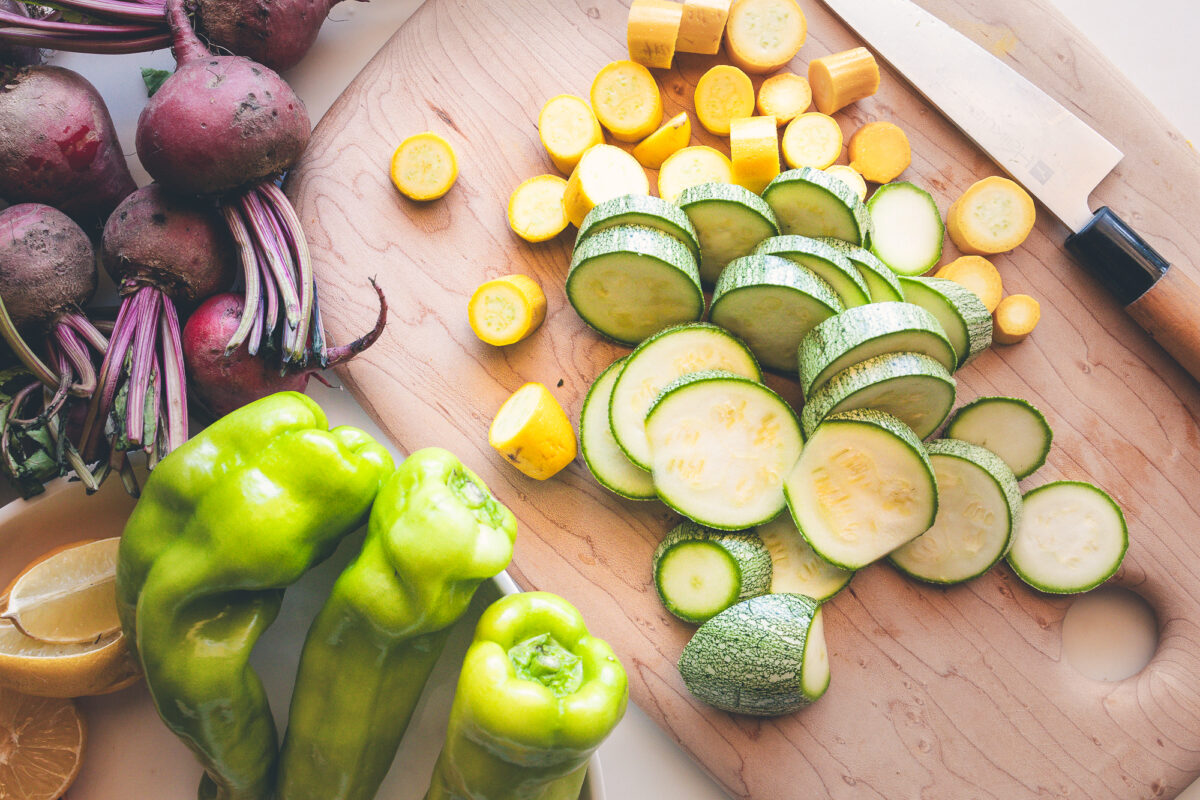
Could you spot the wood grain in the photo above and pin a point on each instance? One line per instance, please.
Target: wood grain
(937, 693)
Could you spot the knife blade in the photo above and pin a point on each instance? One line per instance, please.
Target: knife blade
(1044, 147)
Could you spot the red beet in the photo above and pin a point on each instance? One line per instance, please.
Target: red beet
(47, 265)
(275, 33)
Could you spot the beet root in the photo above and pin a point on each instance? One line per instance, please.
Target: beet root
(47, 264)
(275, 33)
(58, 145)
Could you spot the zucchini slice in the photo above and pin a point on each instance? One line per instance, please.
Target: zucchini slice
(979, 508)
(868, 331)
(699, 572)
(882, 283)
(863, 486)
(771, 303)
(608, 464)
(913, 388)
(1072, 538)
(658, 361)
(795, 568)
(827, 262)
(631, 281)
(808, 202)
(963, 315)
(720, 446)
(1010, 427)
(906, 228)
(645, 210)
(764, 656)
(730, 221)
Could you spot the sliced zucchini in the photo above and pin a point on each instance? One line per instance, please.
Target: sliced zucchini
(827, 262)
(863, 486)
(730, 221)
(963, 315)
(631, 281)
(645, 210)
(764, 656)
(608, 464)
(1010, 427)
(808, 202)
(913, 388)
(868, 331)
(699, 572)
(907, 231)
(1072, 538)
(795, 568)
(771, 303)
(658, 361)
(720, 446)
(882, 283)
(979, 508)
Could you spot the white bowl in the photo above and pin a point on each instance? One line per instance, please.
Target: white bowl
(131, 754)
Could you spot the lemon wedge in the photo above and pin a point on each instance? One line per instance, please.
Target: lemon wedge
(68, 596)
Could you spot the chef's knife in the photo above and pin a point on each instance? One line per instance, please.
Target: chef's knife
(1046, 149)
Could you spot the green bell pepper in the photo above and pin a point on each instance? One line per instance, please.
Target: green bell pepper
(435, 533)
(536, 697)
(224, 524)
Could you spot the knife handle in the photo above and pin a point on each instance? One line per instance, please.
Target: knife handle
(1162, 299)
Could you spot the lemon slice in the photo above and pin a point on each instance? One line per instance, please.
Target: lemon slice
(69, 595)
(41, 746)
(532, 432)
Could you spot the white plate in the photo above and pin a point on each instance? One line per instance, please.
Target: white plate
(129, 751)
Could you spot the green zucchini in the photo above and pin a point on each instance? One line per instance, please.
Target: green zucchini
(771, 303)
(699, 572)
(882, 283)
(964, 317)
(645, 210)
(907, 232)
(730, 221)
(1010, 427)
(765, 656)
(795, 568)
(808, 202)
(826, 261)
(608, 464)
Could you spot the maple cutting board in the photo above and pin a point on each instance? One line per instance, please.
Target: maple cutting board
(938, 693)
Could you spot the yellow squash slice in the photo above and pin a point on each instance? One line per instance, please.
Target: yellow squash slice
(603, 173)
(673, 136)
(535, 208)
(532, 432)
(424, 166)
(567, 127)
(627, 101)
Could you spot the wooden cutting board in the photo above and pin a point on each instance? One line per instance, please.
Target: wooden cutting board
(937, 693)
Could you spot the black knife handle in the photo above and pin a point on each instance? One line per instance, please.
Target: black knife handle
(1163, 300)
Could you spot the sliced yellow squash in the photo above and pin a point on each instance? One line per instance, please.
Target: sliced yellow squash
(424, 166)
(506, 310)
(627, 101)
(673, 136)
(604, 172)
(532, 432)
(568, 127)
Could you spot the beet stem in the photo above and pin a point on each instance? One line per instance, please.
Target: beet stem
(340, 355)
(77, 44)
(185, 44)
(174, 379)
(22, 350)
(271, 291)
(290, 223)
(320, 343)
(266, 233)
(110, 374)
(153, 411)
(117, 10)
(75, 360)
(143, 360)
(92, 29)
(86, 330)
(241, 238)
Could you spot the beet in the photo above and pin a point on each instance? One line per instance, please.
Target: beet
(275, 33)
(47, 265)
(58, 145)
(15, 55)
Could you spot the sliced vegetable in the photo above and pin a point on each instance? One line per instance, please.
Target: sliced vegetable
(882, 283)
(771, 303)
(993, 216)
(862, 487)
(702, 26)
(906, 228)
(699, 572)
(963, 316)
(808, 202)
(692, 166)
(754, 146)
(812, 140)
(535, 208)
(603, 172)
(913, 388)
(506, 310)
(764, 656)
(795, 567)
(424, 166)
(567, 127)
(825, 261)
(724, 93)
(868, 331)
(608, 464)
(763, 35)
(1010, 427)
(651, 31)
(977, 274)
(784, 97)
(720, 446)
(730, 221)
(880, 151)
(1072, 538)
(532, 432)
(979, 509)
(1016, 317)
(851, 177)
(658, 361)
(843, 78)
(629, 281)
(627, 101)
(672, 137)
(641, 209)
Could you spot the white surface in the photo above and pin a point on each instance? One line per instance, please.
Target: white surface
(1153, 42)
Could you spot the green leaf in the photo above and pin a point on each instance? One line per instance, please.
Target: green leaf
(154, 79)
